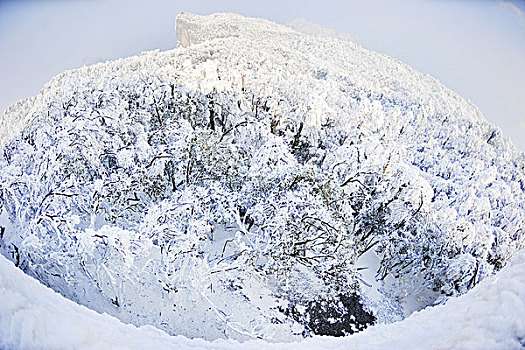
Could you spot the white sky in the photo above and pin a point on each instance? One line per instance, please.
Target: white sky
(477, 48)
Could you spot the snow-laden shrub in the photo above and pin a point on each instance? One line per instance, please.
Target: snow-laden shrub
(243, 210)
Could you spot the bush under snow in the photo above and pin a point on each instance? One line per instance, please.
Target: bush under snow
(232, 188)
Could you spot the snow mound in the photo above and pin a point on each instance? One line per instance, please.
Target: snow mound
(489, 317)
(257, 183)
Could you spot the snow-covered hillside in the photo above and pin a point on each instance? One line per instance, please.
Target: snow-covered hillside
(259, 183)
(306, 27)
(489, 317)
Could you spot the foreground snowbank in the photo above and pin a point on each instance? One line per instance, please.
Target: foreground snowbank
(489, 317)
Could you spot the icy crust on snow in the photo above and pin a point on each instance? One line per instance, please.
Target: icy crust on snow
(178, 188)
(488, 317)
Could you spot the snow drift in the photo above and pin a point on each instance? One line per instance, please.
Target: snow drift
(258, 183)
(489, 317)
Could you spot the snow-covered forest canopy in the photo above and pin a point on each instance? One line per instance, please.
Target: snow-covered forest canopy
(258, 183)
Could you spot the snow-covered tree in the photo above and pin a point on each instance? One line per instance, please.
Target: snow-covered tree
(213, 195)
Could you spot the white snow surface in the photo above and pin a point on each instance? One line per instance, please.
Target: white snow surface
(490, 316)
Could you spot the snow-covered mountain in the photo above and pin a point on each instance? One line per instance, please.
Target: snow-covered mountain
(257, 183)
(304, 26)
